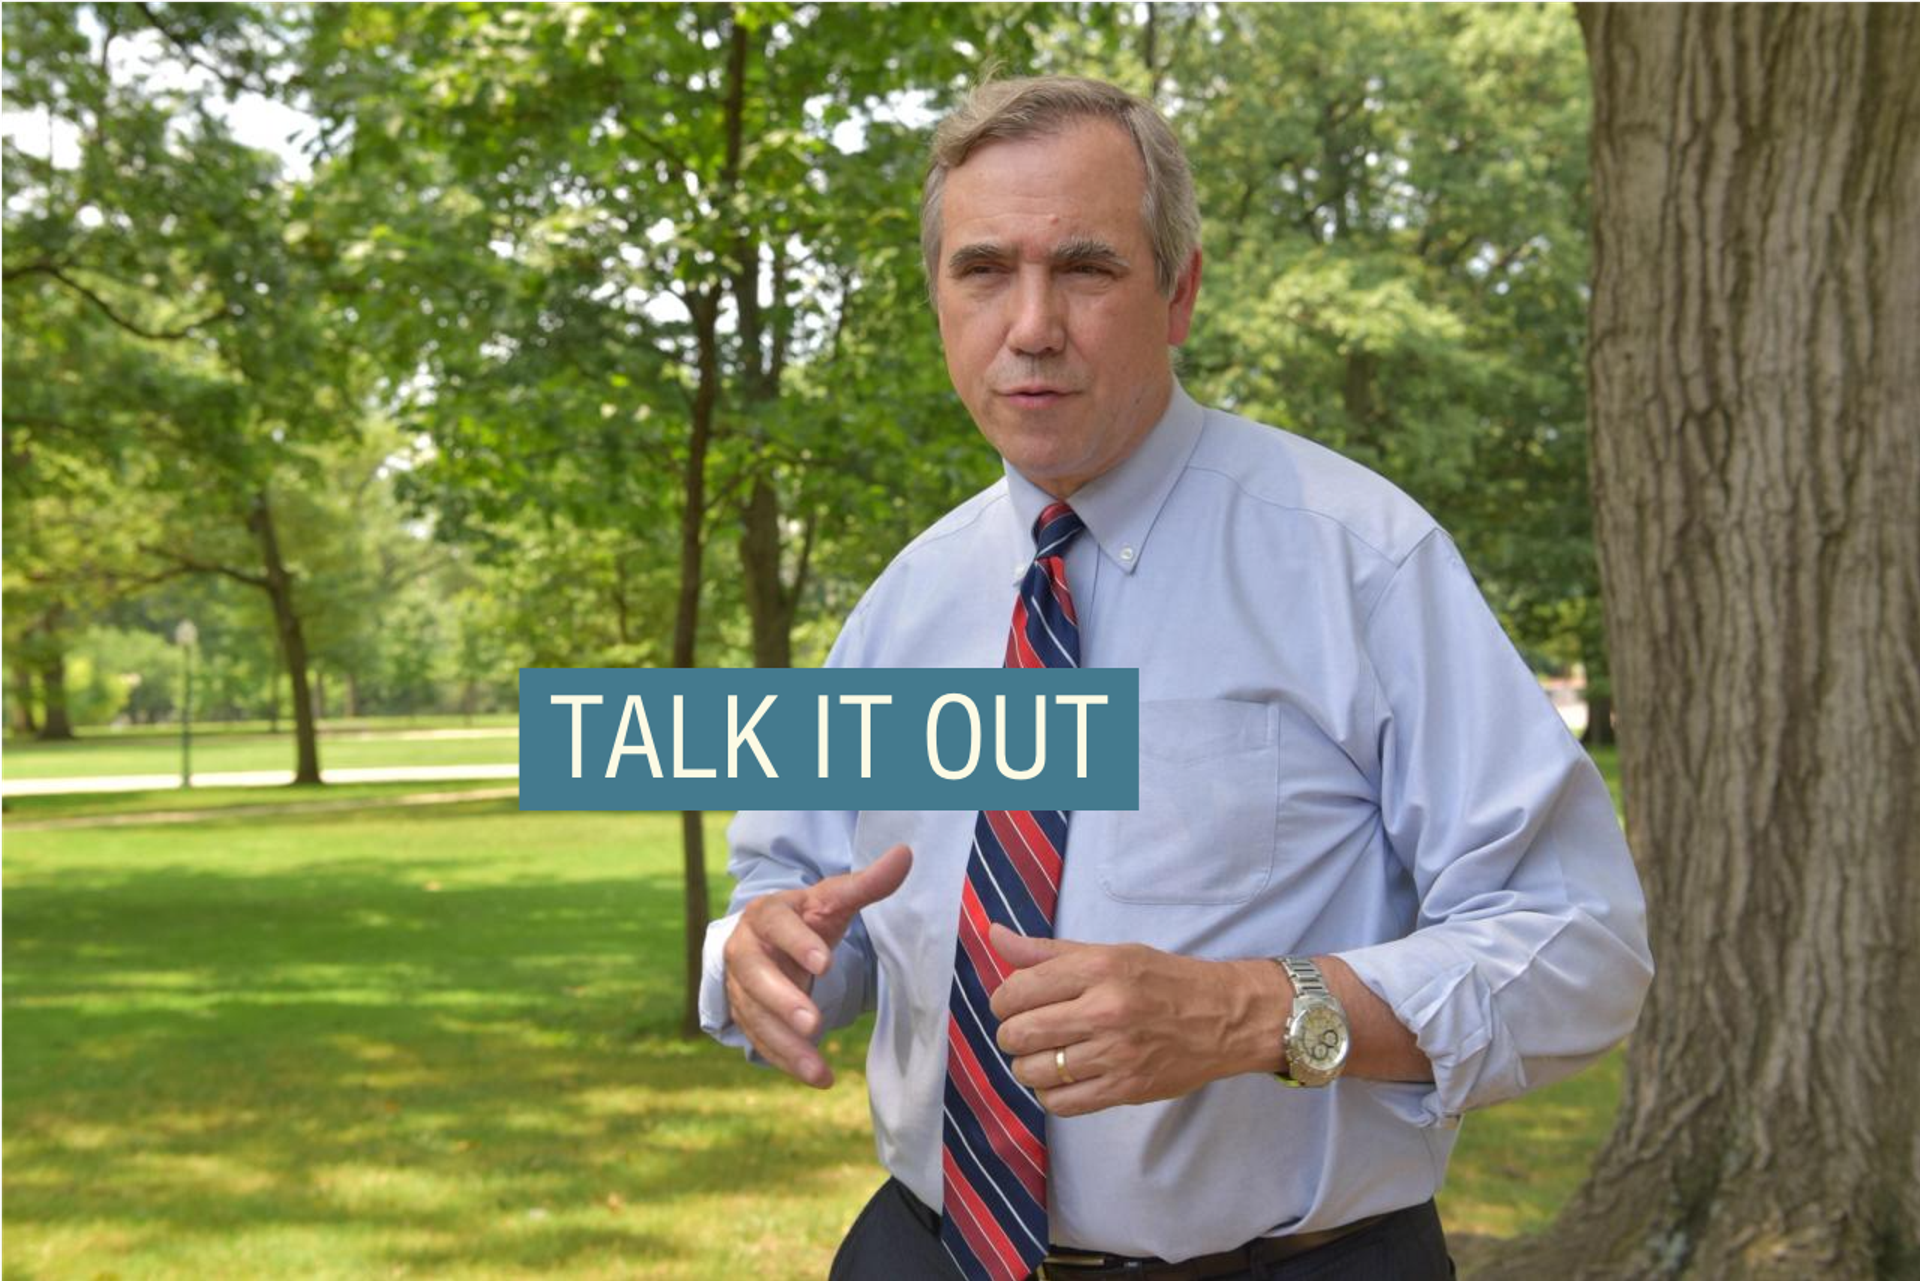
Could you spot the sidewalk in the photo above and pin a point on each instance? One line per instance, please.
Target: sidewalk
(252, 778)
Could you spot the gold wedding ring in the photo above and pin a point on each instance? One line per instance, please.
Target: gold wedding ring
(1060, 1066)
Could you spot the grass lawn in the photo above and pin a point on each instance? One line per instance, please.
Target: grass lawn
(399, 743)
(231, 801)
(439, 1042)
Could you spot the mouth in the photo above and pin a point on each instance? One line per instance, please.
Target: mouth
(1034, 395)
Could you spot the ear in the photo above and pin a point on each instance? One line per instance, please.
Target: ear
(1180, 308)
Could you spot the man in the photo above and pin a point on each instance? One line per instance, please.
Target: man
(1345, 769)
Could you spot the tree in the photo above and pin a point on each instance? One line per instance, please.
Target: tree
(626, 246)
(1396, 260)
(174, 244)
(1757, 479)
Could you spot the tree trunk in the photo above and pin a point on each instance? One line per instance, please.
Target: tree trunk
(24, 722)
(770, 605)
(705, 308)
(55, 727)
(1599, 730)
(1755, 376)
(293, 641)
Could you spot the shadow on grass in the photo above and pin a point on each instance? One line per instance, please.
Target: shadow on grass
(454, 1074)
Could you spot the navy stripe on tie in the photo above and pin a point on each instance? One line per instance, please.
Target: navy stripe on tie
(992, 1224)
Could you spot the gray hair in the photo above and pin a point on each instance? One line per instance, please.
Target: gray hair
(1033, 107)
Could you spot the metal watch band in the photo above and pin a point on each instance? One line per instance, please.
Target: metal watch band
(1305, 976)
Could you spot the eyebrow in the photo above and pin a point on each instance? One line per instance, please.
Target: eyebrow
(1080, 251)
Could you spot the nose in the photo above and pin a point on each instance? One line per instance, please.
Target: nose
(1038, 326)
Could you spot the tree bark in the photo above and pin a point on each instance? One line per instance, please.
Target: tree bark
(293, 640)
(770, 604)
(770, 601)
(55, 725)
(1755, 363)
(1599, 730)
(24, 696)
(705, 309)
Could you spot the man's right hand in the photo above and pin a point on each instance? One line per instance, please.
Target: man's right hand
(783, 942)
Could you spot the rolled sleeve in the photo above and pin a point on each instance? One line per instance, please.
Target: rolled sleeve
(774, 850)
(1529, 959)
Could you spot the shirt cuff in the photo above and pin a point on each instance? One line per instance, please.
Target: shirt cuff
(1444, 1000)
(716, 1018)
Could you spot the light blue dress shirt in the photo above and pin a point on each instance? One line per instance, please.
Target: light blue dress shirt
(1340, 753)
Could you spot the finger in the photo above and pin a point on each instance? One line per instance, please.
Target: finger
(1041, 1071)
(1024, 951)
(1078, 1100)
(1064, 978)
(1040, 1030)
(771, 982)
(778, 1043)
(836, 899)
(786, 933)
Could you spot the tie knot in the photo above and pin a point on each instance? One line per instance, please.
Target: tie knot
(1056, 527)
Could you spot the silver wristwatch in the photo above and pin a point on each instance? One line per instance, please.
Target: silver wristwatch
(1317, 1038)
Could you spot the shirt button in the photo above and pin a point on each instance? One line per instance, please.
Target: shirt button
(1126, 553)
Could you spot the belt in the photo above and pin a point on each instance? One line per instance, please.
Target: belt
(1074, 1265)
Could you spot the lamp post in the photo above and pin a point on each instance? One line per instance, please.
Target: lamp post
(186, 636)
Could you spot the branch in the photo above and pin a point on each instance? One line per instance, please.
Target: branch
(114, 581)
(727, 492)
(193, 565)
(236, 84)
(106, 308)
(806, 554)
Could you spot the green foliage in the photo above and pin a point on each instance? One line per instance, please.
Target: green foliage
(574, 196)
(460, 361)
(1396, 257)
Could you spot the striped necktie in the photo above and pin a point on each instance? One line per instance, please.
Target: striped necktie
(994, 1139)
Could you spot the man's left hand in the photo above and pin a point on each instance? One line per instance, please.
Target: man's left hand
(1136, 1024)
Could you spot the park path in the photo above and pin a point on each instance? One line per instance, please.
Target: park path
(148, 818)
(253, 778)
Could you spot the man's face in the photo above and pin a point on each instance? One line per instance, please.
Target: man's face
(1055, 334)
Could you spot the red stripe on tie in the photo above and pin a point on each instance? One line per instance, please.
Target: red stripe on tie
(1050, 860)
(1057, 572)
(973, 937)
(1018, 1146)
(1028, 862)
(1023, 651)
(990, 1245)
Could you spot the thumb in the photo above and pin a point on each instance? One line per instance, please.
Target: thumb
(1023, 951)
(839, 897)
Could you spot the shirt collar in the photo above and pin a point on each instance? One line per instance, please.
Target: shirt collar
(1120, 505)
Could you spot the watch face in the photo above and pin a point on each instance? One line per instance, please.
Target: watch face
(1317, 1048)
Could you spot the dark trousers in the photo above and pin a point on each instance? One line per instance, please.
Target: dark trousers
(896, 1238)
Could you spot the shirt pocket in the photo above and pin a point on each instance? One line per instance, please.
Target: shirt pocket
(1207, 826)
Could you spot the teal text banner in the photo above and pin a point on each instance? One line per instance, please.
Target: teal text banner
(604, 738)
